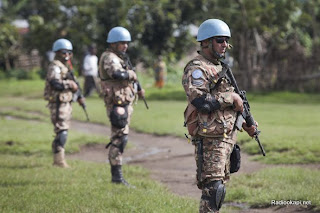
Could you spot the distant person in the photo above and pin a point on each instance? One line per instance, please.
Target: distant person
(90, 71)
(59, 91)
(160, 72)
(119, 86)
(211, 113)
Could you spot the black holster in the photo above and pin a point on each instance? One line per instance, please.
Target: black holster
(235, 159)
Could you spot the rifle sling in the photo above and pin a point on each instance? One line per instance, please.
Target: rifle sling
(221, 75)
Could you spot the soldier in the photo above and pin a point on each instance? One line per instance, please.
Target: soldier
(119, 86)
(59, 92)
(211, 113)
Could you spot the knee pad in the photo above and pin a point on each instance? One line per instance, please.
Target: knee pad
(215, 197)
(119, 116)
(60, 140)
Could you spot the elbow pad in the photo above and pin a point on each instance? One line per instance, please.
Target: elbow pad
(205, 106)
(56, 85)
(118, 75)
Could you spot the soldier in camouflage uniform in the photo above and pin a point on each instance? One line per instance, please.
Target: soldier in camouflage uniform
(119, 86)
(59, 92)
(211, 113)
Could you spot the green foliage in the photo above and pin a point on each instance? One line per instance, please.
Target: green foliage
(9, 40)
(21, 74)
(266, 35)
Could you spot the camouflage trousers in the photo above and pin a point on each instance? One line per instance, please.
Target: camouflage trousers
(115, 154)
(216, 166)
(60, 121)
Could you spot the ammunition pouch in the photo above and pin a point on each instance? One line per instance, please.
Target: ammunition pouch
(235, 159)
(119, 116)
(191, 119)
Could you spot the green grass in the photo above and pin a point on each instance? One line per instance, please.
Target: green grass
(288, 121)
(289, 133)
(281, 183)
(289, 130)
(31, 184)
(25, 137)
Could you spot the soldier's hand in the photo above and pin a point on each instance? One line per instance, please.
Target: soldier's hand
(132, 75)
(250, 130)
(141, 93)
(73, 86)
(237, 102)
(81, 101)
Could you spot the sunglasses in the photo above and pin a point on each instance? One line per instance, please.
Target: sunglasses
(66, 51)
(221, 40)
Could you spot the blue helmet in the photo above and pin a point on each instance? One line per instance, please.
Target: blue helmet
(61, 44)
(117, 34)
(211, 28)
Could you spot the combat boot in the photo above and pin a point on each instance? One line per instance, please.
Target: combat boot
(59, 158)
(117, 177)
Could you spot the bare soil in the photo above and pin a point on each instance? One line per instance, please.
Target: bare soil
(170, 161)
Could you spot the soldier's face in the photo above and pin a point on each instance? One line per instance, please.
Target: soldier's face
(64, 55)
(220, 44)
(121, 46)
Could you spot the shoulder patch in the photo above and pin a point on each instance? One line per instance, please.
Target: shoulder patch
(116, 61)
(196, 74)
(56, 69)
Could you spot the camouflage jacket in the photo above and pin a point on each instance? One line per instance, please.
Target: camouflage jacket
(200, 78)
(120, 92)
(58, 73)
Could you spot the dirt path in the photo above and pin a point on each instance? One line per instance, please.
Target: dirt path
(169, 159)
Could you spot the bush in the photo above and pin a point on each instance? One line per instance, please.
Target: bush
(21, 74)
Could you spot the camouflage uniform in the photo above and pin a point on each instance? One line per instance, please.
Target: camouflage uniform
(59, 103)
(215, 129)
(117, 93)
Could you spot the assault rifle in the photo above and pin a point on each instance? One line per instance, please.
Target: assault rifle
(130, 66)
(78, 93)
(246, 114)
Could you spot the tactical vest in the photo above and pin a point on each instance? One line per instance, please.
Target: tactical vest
(218, 123)
(52, 95)
(115, 91)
